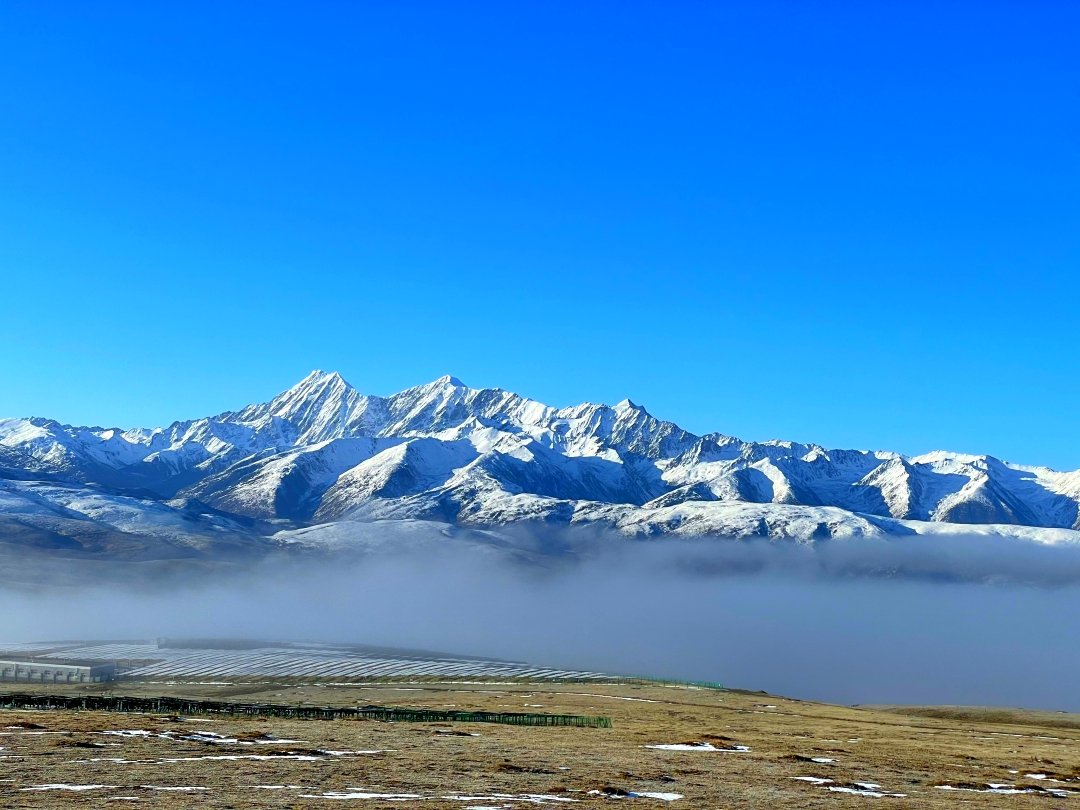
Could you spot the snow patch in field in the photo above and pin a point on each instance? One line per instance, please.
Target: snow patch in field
(175, 789)
(736, 749)
(664, 797)
(353, 753)
(862, 791)
(869, 789)
(356, 793)
(360, 794)
(278, 787)
(640, 794)
(531, 798)
(1005, 789)
(61, 786)
(233, 757)
(200, 736)
(172, 760)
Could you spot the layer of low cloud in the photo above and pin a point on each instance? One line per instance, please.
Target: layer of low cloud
(966, 621)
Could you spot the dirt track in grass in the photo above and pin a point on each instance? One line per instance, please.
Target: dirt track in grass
(54, 759)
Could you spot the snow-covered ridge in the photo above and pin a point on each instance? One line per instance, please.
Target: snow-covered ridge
(322, 452)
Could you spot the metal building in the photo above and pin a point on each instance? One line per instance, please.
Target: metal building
(46, 671)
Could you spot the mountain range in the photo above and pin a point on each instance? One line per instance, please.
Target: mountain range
(321, 459)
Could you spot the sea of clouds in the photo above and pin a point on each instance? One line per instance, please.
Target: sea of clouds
(968, 620)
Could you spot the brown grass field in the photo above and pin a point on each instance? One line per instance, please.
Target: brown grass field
(902, 750)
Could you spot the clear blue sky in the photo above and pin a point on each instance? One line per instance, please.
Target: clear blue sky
(851, 223)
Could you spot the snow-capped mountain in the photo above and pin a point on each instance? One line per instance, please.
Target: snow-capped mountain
(322, 453)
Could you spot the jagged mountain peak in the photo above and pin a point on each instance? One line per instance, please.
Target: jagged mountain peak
(318, 375)
(449, 379)
(316, 382)
(320, 407)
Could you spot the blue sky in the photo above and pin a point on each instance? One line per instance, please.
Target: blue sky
(850, 223)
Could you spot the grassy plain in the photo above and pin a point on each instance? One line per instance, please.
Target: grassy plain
(420, 765)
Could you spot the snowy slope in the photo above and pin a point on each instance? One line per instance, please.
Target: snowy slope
(323, 452)
(77, 521)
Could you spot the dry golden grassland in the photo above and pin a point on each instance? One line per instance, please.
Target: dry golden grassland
(904, 751)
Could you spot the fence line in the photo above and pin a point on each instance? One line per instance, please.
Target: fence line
(181, 706)
(649, 680)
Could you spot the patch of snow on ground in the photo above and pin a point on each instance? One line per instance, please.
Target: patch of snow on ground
(278, 787)
(360, 794)
(176, 789)
(864, 792)
(231, 757)
(200, 736)
(640, 794)
(1006, 789)
(739, 749)
(991, 788)
(531, 798)
(664, 797)
(870, 789)
(353, 753)
(60, 786)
